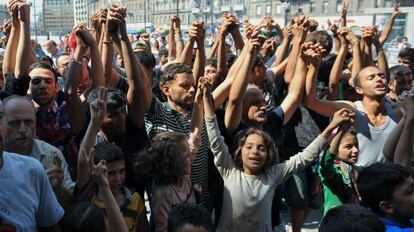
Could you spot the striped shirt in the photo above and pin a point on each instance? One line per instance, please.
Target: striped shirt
(160, 118)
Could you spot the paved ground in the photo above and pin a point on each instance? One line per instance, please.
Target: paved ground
(311, 223)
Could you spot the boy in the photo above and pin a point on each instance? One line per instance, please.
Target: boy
(189, 217)
(388, 190)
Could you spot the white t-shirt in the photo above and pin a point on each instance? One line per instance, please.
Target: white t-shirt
(27, 200)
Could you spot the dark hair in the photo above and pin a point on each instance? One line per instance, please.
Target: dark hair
(398, 71)
(116, 98)
(212, 62)
(43, 65)
(357, 80)
(108, 152)
(380, 176)
(258, 59)
(47, 60)
(351, 218)
(191, 214)
(162, 160)
(407, 53)
(321, 37)
(146, 58)
(231, 57)
(171, 71)
(163, 52)
(83, 217)
(272, 152)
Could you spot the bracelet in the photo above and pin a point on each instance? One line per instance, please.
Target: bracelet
(107, 41)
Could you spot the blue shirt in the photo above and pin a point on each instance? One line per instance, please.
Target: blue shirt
(27, 200)
(391, 226)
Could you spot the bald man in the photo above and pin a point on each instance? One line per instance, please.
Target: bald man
(27, 201)
(20, 127)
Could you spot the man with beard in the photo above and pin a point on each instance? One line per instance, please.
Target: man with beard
(374, 117)
(28, 203)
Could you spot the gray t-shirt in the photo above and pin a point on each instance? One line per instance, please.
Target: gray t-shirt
(26, 198)
(372, 139)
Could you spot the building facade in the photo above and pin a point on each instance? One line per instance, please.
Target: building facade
(58, 16)
(360, 13)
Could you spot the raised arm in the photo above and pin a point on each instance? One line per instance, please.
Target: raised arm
(200, 60)
(381, 57)
(337, 67)
(85, 157)
(97, 73)
(283, 49)
(393, 139)
(367, 34)
(235, 33)
(296, 87)
(404, 150)
(172, 46)
(196, 126)
(356, 53)
(221, 93)
(334, 29)
(343, 12)
(24, 53)
(108, 50)
(324, 107)
(186, 56)
(234, 107)
(9, 60)
(177, 30)
(300, 28)
(139, 94)
(388, 28)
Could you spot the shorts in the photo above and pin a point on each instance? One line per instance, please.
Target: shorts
(299, 190)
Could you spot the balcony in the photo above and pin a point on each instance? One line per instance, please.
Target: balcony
(238, 7)
(225, 9)
(196, 11)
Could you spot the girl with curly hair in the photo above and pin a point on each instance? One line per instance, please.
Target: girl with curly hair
(167, 161)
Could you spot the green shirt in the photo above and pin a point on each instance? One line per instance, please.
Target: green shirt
(338, 181)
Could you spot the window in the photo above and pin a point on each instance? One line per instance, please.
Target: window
(338, 6)
(360, 5)
(325, 7)
(268, 9)
(258, 10)
(312, 7)
(278, 9)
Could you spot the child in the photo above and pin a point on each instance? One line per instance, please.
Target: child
(351, 218)
(130, 203)
(168, 161)
(388, 190)
(251, 179)
(189, 217)
(336, 168)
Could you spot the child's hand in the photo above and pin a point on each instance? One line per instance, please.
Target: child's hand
(100, 174)
(342, 116)
(98, 107)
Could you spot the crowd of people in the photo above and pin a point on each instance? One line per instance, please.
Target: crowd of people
(214, 139)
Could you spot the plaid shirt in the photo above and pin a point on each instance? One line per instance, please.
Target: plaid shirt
(53, 127)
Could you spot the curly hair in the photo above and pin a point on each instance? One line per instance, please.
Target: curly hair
(171, 71)
(272, 152)
(163, 159)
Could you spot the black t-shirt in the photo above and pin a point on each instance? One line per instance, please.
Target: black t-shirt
(15, 86)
